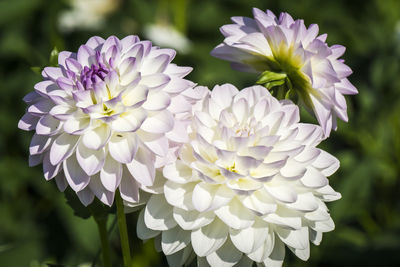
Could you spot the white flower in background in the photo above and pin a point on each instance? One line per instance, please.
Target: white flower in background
(249, 181)
(167, 36)
(292, 60)
(87, 14)
(108, 116)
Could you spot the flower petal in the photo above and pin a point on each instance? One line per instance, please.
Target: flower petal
(209, 238)
(76, 177)
(123, 146)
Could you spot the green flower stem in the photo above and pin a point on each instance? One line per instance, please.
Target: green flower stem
(123, 231)
(105, 245)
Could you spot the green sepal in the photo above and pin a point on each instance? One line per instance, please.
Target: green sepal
(53, 60)
(272, 84)
(290, 94)
(270, 76)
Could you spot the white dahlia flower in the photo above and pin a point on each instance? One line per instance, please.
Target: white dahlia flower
(294, 62)
(108, 116)
(249, 181)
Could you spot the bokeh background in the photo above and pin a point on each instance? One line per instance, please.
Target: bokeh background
(38, 227)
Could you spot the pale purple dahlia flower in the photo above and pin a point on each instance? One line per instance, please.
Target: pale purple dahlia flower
(292, 60)
(249, 181)
(108, 116)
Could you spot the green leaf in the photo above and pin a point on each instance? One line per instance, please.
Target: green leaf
(76, 205)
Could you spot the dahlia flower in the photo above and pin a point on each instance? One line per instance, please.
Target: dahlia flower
(108, 116)
(293, 61)
(249, 181)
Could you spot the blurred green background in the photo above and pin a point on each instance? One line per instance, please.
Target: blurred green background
(38, 227)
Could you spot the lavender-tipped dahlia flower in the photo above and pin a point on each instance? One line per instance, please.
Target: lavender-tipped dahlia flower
(249, 181)
(108, 116)
(293, 62)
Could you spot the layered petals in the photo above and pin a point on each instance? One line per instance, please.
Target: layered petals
(249, 181)
(103, 118)
(283, 46)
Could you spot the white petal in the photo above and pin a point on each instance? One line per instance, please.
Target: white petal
(41, 107)
(62, 112)
(155, 80)
(47, 125)
(306, 202)
(267, 245)
(49, 170)
(105, 196)
(192, 220)
(208, 239)
(161, 122)
(286, 219)
(320, 214)
(76, 177)
(260, 203)
(327, 163)
(282, 193)
(174, 240)
(249, 239)
(128, 187)
(123, 146)
(178, 133)
(324, 226)
(178, 172)
(135, 95)
(35, 160)
(277, 255)
(182, 257)
(203, 194)
(62, 147)
(61, 182)
(39, 144)
(294, 238)
(142, 231)
(156, 64)
(129, 121)
(225, 256)
(86, 55)
(315, 237)
(179, 195)
(159, 146)
(28, 122)
(313, 178)
(91, 161)
(77, 124)
(111, 174)
(235, 215)
(158, 214)
(97, 138)
(303, 254)
(142, 167)
(293, 169)
(240, 109)
(157, 101)
(85, 196)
